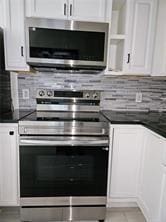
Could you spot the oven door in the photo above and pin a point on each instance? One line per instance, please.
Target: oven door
(63, 167)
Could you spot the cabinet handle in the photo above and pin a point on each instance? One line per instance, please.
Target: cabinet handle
(11, 133)
(71, 8)
(22, 51)
(65, 7)
(128, 58)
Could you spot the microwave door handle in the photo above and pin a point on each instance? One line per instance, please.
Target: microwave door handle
(65, 9)
(62, 143)
(71, 9)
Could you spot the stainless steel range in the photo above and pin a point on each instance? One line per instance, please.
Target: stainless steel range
(64, 158)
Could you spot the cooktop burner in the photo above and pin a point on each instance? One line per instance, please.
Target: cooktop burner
(65, 116)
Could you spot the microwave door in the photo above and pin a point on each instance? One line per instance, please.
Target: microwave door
(52, 47)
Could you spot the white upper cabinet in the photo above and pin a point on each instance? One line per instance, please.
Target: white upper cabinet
(90, 10)
(159, 61)
(14, 35)
(9, 194)
(2, 17)
(117, 37)
(141, 33)
(132, 36)
(47, 8)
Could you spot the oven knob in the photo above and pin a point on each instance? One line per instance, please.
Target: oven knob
(41, 93)
(87, 95)
(95, 96)
(49, 93)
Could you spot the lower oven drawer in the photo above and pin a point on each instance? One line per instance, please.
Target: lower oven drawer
(63, 213)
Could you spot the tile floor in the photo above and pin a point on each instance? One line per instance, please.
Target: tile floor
(113, 215)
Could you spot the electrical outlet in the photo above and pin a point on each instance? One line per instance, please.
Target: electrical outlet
(25, 93)
(138, 97)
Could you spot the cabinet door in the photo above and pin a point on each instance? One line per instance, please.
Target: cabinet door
(47, 8)
(140, 38)
(151, 176)
(126, 147)
(90, 10)
(14, 35)
(8, 166)
(163, 197)
(159, 63)
(2, 14)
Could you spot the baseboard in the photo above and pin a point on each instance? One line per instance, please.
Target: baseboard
(122, 202)
(144, 209)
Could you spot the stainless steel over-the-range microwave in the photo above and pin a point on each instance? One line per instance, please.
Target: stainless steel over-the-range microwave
(66, 44)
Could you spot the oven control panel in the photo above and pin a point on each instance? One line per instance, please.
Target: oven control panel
(54, 94)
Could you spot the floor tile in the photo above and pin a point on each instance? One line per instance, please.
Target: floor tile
(134, 217)
(116, 217)
(124, 209)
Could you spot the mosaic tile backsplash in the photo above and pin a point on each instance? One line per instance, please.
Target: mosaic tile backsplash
(5, 93)
(118, 92)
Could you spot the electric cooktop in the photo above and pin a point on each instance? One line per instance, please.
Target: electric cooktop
(65, 116)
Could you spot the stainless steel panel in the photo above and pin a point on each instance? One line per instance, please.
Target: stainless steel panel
(62, 201)
(73, 108)
(36, 124)
(68, 71)
(66, 25)
(53, 214)
(62, 116)
(41, 214)
(62, 128)
(64, 141)
(84, 213)
(91, 94)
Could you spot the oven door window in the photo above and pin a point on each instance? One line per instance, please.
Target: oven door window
(63, 171)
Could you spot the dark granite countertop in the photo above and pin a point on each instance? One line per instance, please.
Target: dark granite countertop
(155, 121)
(15, 116)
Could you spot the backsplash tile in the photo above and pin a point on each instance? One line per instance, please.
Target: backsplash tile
(118, 92)
(5, 93)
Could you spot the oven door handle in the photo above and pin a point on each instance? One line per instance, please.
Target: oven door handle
(40, 142)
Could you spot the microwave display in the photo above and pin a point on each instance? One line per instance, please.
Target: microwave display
(66, 44)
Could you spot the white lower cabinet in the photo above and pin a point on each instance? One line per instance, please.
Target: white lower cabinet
(163, 196)
(151, 175)
(137, 171)
(125, 155)
(9, 192)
